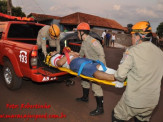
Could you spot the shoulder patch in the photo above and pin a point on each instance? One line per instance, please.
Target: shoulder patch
(93, 40)
(127, 52)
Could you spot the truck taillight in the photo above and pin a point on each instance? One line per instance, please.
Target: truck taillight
(33, 60)
(34, 53)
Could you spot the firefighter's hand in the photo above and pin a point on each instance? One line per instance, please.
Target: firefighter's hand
(118, 84)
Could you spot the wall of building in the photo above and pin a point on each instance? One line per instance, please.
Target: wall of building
(107, 29)
(121, 38)
(124, 39)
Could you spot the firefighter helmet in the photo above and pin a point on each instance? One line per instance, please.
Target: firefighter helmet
(83, 26)
(142, 27)
(54, 31)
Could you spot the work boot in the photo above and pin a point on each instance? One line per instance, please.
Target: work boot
(115, 119)
(99, 109)
(84, 98)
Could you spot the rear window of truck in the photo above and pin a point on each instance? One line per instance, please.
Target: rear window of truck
(23, 31)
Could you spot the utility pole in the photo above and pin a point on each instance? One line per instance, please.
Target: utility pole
(9, 7)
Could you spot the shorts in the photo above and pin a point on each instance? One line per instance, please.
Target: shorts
(112, 40)
(88, 70)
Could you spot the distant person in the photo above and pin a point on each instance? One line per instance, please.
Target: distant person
(107, 38)
(50, 34)
(103, 36)
(113, 39)
(142, 66)
(65, 30)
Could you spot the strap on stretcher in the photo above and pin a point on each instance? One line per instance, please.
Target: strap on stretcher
(87, 62)
(92, 79)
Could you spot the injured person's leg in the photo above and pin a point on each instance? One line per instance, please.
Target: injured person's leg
(103, 76)
(118, 84)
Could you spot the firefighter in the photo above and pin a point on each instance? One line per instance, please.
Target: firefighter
(91, 49)
(51, 34)
(142, 66)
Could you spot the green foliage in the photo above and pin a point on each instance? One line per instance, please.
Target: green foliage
(3, 6)
(160, 30)
(16, 11)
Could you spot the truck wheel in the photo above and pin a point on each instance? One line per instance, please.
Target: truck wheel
(11, 79)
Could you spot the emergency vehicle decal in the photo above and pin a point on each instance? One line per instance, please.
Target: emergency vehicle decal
(23, 56)
(48, 78)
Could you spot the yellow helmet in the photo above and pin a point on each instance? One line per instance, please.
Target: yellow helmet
(54, 31)
(142, 27)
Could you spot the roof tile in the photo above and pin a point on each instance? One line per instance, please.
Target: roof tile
(43, 17)
(78, 17)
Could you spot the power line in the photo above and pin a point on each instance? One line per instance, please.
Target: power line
(39, 6)
(17, 3)
(24, 6)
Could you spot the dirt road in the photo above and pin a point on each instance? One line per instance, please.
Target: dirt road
(56, 102)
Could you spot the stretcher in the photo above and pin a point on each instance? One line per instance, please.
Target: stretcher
(92, 79)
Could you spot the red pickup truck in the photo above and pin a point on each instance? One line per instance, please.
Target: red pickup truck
(20, 57)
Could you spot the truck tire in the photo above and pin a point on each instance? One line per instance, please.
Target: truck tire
(12, 81)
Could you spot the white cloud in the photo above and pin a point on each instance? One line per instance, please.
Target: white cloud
(160, 6)
(146, 12)
(117, 7)
(52, 8)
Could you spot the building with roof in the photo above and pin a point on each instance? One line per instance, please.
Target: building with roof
(46, 19)
(42, 18)
(71, 21)
(94, 21)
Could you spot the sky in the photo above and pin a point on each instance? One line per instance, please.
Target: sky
(123, 11)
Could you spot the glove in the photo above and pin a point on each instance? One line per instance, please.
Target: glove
(110, 71)
(118, 84)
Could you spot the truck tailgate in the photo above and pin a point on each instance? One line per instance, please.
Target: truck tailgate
(50, 71)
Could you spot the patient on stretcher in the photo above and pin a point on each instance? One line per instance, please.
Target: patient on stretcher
(90, 68)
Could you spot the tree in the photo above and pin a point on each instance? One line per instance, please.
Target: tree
(3, 6)
(16, 11)
(160, 30)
